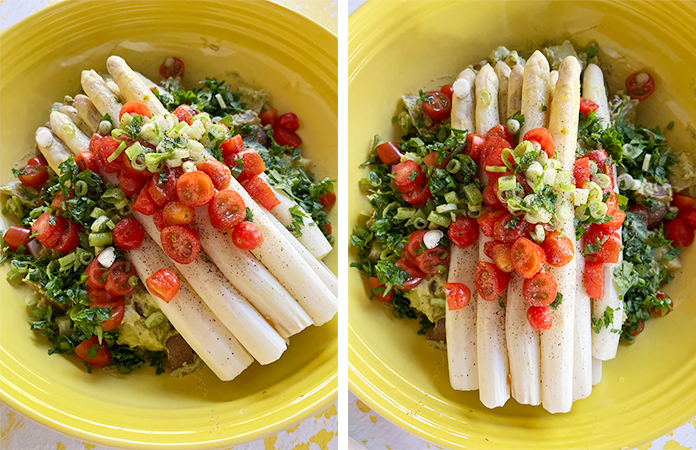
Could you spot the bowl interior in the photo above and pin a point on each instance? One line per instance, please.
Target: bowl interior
(270, 47)
(650, 387)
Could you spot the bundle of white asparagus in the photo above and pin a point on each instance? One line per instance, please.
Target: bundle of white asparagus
(242, 306)
(490, 344)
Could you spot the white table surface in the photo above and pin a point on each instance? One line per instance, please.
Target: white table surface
(316, 433)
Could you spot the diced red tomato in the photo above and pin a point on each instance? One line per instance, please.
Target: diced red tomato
(581, 171)
(683, 203)
(458, 295)
(527, 257)
(176, 213)
(87, 161)
(17, 236)
(230, 148)
(438, 106)
(587, 106)
(662, 311)
(389, 153)
(48, 229)
(539, 317)
(503, 232)
(86, 353)
(418, 196)
(172, 68)
(69, 237)
(543, 137)
(135, 108)
(96, 275)
(117, 309)
(594, 280)
(253, 164)
(500, 254)
(195, 188)
(118, 279)
(226, 210)
(262, 193)
(184, 113)
(475, 144)
(609, 245)
(163, 186)
(404, 176)
(558, 248)
(144, 203)
(487, 221)
(288, 121)
(287, 138)
(247, 236)
(617, 219)
(680, 232)
(182, 244)
(129, 184)
(490, 281)
(269, 117)
(219, 173)
(430, 261)
(500, 131)
(163, 284)
(59, 200)
(488, 248)
(327, 200)
(639, 89)
(463, 232)
(374, 284)
(540, 290)
(430, 160)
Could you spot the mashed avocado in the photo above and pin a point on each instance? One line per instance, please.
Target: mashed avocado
(134, 332)
(188, 369)
(429, 297)
(511, 58)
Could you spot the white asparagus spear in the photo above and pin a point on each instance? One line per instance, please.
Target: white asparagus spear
(491, 348)
(132, 86)
(582, 363)
(311, 238)
(596, 371)
(514, 99)
(605, 343)
(52, 149)
(503, 71)
(464, 102)
(68, 132)
(553, 79)
(252, 279)
(71, 112)
(207, 336)
(87, 112)
(102, 97)
(535, 102)
(204, 332)
(114, 88)
(323, 272)
(557, 343)
(460, 324)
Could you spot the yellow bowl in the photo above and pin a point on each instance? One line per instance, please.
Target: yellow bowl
(270, 46)
(399, 47)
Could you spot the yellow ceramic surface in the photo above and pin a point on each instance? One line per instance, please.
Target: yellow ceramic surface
(399, 47)
(271, 47)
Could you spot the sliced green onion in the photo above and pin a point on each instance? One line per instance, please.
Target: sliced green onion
(447, 207)
(581, 213)
(507, 183)
(133, 280)
(506, 156)
(420, 223)
(495, 169)
(597, 210)
(453, 166)
(524, 147)
(113, 195)
(68, 128)
(138, 162)
(116, 133)
(81, 188)
(386, 253)
(485, 97)
(178, 129)
(513, 126)
(96, 212)
(534, 171)
(404, 213)
(100, 239)
(581, 196)
(593, 167)
(474, 214)
(67, 260)
(438, 219)
(99, 224)
(121, 147)
(603, 180)
(451, 197)
(84, 256)
(646, 162)
(154, 319)
(126, 119)
(105, 127)
(564, 212)
(538, 234)
(595, 191)
(473, 194)
(126, 210)
(515, 204)
(217, 130)
(64, 327)
(550, 177)
(476, 207)
(134, 150)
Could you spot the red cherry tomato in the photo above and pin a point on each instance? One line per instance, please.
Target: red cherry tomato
(415, 245)
(195, 188)
(500, 254)
(494, 143)
(269, 117)
(448, 91)
(539, 317)
(48, 229)
(418, 196)
(158, 219)
(135, 108)
(431, 260)
(407, 263)
(690, 216)
(680, 232)
(405, 179)
(500, 131)
(176, 213)
(96, 275)
(33, 175)
(184, 113)
(490, 195)
(662, 311)
(641, 328)
(683, 203)
(59, 201)
(327, 200)
(587, 106)
(247, 236)
(527, 257)
(617, 219)
(230, 147)
(599, 156)
(181, 244)
(86, 352)
(144, 203)
(226, 210)
(87, 161)
(117, 309)
(262, 193)
(488, 248)
(487, 221)
(172, 68)
(219, 173)
(475, 144)
(581, 171)
(128, 234)
(106, 147)
(502, 232)
(253, 164)
(558, 248)
(287, 138)
(494, 157)
(609, 245)
(638, 88)
(463, 232)
(163, 186)
(287, 121)
(69, 238)
(543, 137)
(437, 106)
(118, 279)
(17, 236)
(490, 281)
(458, 295)
(540, 290)
(389, 153)
(163, 284)
(374, 284)
(129, 184)
(100, 296)
(594, 280)
(430, 160)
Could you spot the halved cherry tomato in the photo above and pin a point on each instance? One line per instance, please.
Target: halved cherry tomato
(262, 193)
(374, 284)
(17, 236)
(405, 179)
(135, 108)
(327, 200)
(617, 219)
(129, 184)
(490, 281)
(164, 284)
(640, 209)
(494, 158)
(494, 143)
(448, 91)
(558, 248)
(247, 236)
(540, 290)
(488, 248)
(418, 196)
(500, 254)
(463, 232)
(487, 221)
(287, 138)
(163, 186)
(581, 171)
(327, 227)
(128, 169)
(185, 113)
(59, 201)
(252, 164)
(117, 309)
(158, 219)
(680, 232)
(609, 245)
(500, 131)
(69, 238)
(226, 210)
(106, 147)
(430, 160)
(230, 148)
(144, 203)
(415, 246)
(176, 213)
(490, 195)
(93, 353)
(543, 137)
(430, 260)
(172, 68)
(48, 229)
(389, 153)
(640, 85)
(269, 117)
(182, 244)
(474, 146)
(527, 257)
(100, 296)
(407, 263)
(37, 161)
(683, 203)
(437, 106)
(599, 156)
(641, 328)
(195, 188)
(128, 234)
(594, 280)
(587, 106)
(662, 311)
(539, 317)
(690, 216)
(503, 232)
(87, 161)
(458, 295)
(96, 275)
(287, 121)
(219, 173)
(33, 175)
(118, 279)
